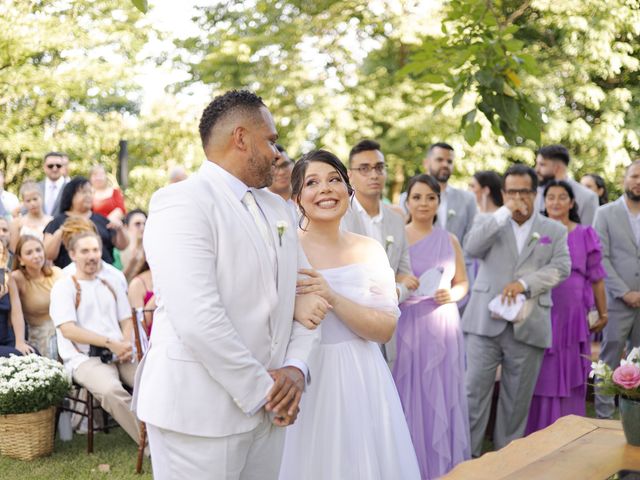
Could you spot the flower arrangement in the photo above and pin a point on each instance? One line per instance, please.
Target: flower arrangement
(623, 381)
(31, 383)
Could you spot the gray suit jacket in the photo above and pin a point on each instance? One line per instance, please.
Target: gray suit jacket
(542, 264)
(586, 200)
(620, 253)
(56, 205)
(392, 224)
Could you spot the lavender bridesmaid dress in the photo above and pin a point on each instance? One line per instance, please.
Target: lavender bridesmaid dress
(430, 367)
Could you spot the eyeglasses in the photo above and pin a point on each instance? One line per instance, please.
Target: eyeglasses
(522, 192)
(53, 165)
(365, 170)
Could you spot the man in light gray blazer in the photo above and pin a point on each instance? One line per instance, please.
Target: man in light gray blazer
(618, 225)
(368, 216)
(520, 252)
(53, 183)
(457, 207)
(552, 163)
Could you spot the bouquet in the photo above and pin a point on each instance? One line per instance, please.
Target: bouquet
(31, 383)
(624, 380)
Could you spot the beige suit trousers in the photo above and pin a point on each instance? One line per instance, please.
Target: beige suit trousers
(105, 381)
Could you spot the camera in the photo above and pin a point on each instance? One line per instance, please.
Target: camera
(106, 355)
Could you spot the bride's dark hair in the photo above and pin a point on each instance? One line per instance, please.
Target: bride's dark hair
(300, 170)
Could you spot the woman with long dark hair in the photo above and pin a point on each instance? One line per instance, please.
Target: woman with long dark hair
(562, 381)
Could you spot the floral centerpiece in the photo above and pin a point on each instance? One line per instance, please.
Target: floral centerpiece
(625, 382)
(30, 388)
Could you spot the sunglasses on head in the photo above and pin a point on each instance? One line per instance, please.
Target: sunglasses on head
(54, 165)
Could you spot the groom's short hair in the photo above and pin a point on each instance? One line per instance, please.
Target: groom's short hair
(232, 101)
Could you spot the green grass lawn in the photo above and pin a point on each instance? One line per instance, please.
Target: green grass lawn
(71, 461)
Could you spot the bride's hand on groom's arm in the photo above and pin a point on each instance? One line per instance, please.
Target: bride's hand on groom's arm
(285, 395)
(310, 310)
(315, 283)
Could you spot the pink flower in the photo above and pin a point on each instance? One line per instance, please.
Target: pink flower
(627, 376)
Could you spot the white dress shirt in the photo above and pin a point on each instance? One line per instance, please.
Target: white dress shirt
(51, 192)
(442, 210)
(634, 221)
(521, 232)
(372, 225)
(10, 201)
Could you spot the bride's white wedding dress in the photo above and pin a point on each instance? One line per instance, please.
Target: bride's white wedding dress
(351, 425)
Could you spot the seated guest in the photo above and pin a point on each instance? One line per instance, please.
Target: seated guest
(107, 200)
(34, 221)
(76, 201)
(282, 178)
(34, 278)
(596, 184)
(133, 256)
(562, 383)
(72, 227)
(141, 294)
(12, 335)
(93, 319)
(520, 252)
(486, 186)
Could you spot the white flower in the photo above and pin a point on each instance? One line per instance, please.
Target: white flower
(633, 357)
(388, 241)
(281, 226)
(451, 213)
(535, 236)
(598, 369)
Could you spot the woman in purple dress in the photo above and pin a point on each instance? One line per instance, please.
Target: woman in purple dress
(429, 370)
(562, 382)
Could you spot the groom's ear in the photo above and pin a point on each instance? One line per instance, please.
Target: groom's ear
(240, 138)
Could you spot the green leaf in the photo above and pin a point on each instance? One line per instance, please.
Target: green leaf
(472, 133)
(508, 110)
(469, 117)
(529, 129)
(457, 97)
(141, 5)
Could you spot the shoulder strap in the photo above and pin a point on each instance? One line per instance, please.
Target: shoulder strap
(79, 289)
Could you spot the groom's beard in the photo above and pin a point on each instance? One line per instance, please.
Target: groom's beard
(632, 196)
(544, 181)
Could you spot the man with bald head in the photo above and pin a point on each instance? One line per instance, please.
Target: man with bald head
(227, 363)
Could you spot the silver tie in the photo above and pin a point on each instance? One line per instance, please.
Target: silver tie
(249, 201)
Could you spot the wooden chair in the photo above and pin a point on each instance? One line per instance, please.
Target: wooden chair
(140, 329)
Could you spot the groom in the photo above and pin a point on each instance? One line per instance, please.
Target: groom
(227, 364)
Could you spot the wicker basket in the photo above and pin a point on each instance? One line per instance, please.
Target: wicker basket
(26, 436)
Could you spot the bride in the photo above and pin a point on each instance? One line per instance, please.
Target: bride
(351, 424)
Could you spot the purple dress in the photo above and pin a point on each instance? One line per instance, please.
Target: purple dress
(562, 382)
(429, 369)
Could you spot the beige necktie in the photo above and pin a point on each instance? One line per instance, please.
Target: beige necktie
(249, 201)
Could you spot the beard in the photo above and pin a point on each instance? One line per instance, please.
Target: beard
(543, 180)
(441, 175)
(631, 196)
(260, 169)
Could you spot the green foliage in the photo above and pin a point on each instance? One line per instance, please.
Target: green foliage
(31, 383)
(141, 5)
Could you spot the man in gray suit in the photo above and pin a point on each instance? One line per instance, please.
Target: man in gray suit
(368, 216)
(520, 252)
(53, 183)
(552, 163)
(618, 225)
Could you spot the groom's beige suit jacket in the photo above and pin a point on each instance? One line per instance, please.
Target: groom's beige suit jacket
(225, 310)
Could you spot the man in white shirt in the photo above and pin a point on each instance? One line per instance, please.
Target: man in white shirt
(93, 317)
(9, 201)
(519, 252)
(51, 187)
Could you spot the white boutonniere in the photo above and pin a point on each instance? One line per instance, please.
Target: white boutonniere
(451, 213)
(388, 242)
(534, 237)
(281, 226)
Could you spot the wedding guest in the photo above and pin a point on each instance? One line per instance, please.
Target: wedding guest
(486, 185)
(552, 163)
(429, 371)
(281, 184)
(34, 221)
(520, 252)
(34, 279)
(89, 312)
(562, 382)
(352, 390)
(9, 201)
(368, 215)
(65, 168)
(177, 174)
(13, 333)
(5, 240)
(618, 225)
(596, 184)
(133, 257)
(77, 198)
(53, 183)
(108, 201)
(141, 294)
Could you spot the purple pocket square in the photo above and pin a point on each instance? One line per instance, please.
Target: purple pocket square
(545, 241)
